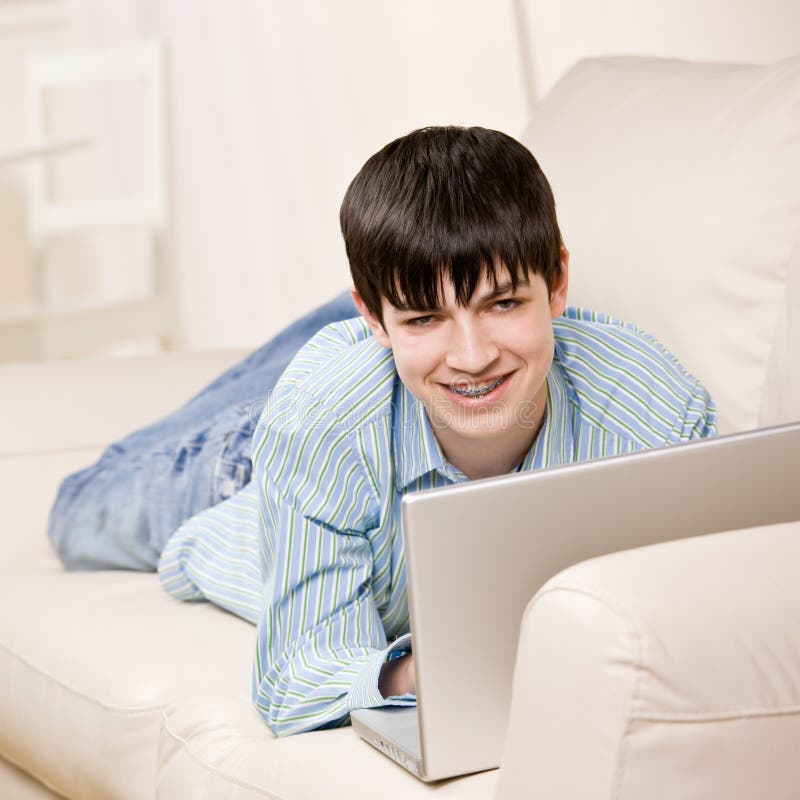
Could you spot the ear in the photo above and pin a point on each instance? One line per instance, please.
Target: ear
(558, 294)
(374, 323)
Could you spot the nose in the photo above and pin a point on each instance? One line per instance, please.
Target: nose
(472, 349)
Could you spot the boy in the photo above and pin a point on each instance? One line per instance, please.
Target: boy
(465, 363)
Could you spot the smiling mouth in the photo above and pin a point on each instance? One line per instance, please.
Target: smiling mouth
(477, 391)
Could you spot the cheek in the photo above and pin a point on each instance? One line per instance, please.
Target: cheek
(537, 342)
(415, 358)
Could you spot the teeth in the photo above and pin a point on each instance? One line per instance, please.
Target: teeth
(478, 391)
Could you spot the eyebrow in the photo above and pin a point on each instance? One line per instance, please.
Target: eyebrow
(503, 288)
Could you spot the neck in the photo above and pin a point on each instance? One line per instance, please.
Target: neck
(474, 463)
(482, 458)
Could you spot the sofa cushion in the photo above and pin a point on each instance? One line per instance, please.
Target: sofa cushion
(215, 745)
(781, 400)
(59, 405)
(677, 191)
(28, 486)
(87, 664)
(95, 659)
(670, 671)
(16, 784)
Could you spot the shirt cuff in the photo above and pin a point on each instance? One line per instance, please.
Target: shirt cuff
(364, 693)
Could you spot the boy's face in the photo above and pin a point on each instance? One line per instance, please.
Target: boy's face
(481, 369)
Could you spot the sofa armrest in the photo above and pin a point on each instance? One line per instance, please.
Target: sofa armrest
(57, 417)
(667, 671)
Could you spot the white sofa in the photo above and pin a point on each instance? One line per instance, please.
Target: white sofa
(671, 671)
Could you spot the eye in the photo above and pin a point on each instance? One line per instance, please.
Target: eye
(424, 321)
(507, 305)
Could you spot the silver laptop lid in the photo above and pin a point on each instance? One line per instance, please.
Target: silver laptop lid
(478, 552)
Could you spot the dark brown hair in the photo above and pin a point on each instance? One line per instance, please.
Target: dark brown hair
(447, 203)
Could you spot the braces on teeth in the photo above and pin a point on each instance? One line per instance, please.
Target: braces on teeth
(478, 392)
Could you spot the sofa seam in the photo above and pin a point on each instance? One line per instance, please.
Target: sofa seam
(719, 716)
(83, 695)
(33, 775)
(214, 770)
(629, 621)
(54, 451)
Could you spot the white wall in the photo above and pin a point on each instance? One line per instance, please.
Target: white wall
(415, 63)
(24, 28)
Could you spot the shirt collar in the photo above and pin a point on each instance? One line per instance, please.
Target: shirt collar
(554, 443)
(416, 449)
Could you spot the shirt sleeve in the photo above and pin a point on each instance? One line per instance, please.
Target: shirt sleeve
(320, 641)
(699, 417)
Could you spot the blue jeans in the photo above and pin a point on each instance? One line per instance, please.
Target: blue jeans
(119, 512)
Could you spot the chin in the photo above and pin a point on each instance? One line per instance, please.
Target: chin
(478, 422)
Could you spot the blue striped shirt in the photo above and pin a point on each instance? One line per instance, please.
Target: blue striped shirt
(311, 550)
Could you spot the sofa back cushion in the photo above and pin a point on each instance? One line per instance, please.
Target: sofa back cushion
(781, 400)
(678, 192)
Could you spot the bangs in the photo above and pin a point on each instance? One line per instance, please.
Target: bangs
(420, 285)
(459, 238)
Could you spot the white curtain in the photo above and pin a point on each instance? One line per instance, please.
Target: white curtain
(260, 155)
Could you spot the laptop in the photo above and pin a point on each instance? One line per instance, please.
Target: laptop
(476, 553)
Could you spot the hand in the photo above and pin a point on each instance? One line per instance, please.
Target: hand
(397, 677)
